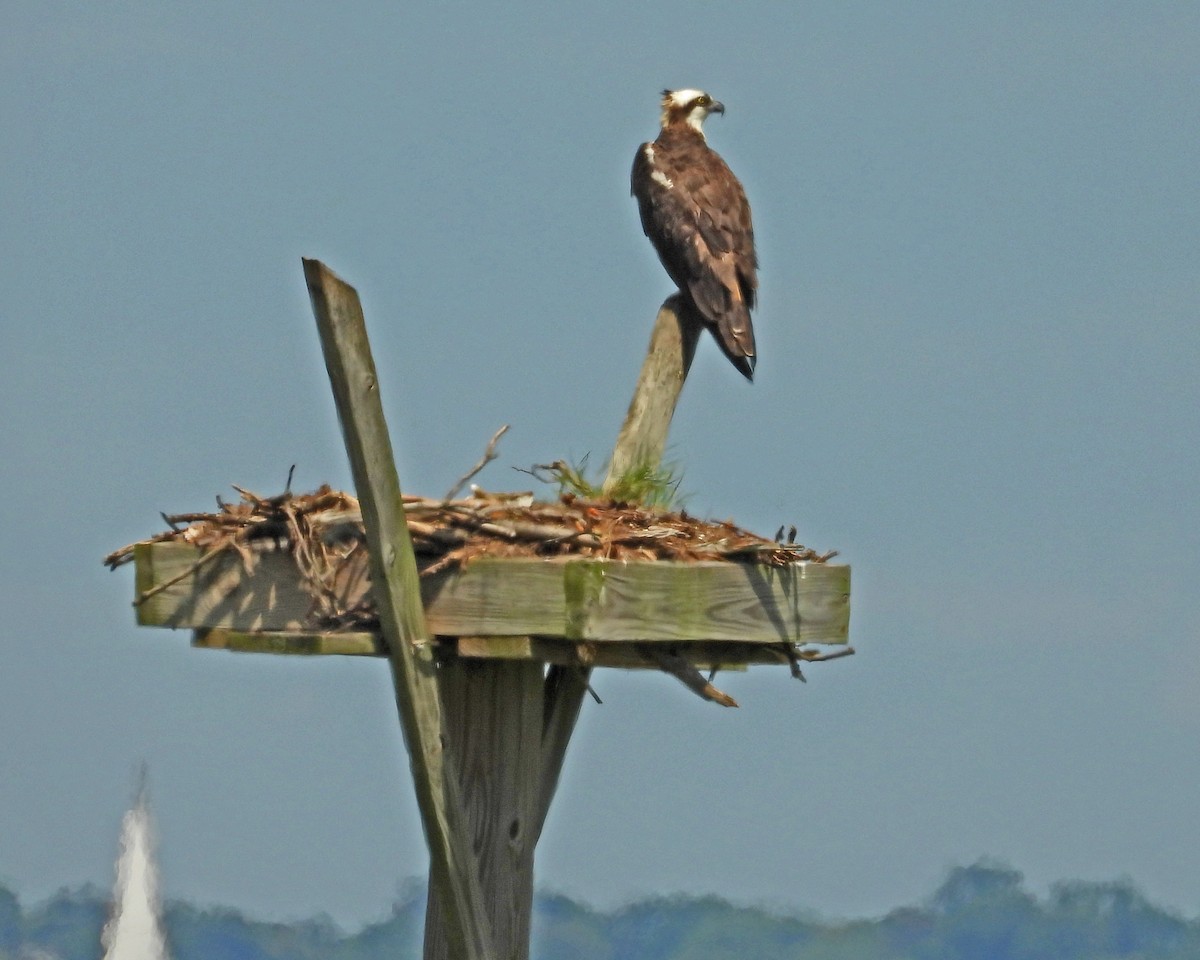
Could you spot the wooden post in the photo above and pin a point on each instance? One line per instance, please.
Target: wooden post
(493, 710)
(640, 444)
(565, 689)
(454, 877)
(492, 733)
(643, 436)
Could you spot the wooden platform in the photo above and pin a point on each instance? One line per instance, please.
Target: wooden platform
(486, 725)
(568, 611)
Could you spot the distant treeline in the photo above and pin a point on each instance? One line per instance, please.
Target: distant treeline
(980, 912)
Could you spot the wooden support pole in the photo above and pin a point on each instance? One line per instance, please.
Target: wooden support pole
(565, 689)
(643, 437)
(491, 731)
(493, 711)
(454, 876)
(640, 444)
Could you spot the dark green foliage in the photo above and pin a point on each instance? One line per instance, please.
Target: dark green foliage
(709, 928)
(396, 938)
(67, 926)
(1113, 920)
(980, 912)
(10, 923)
(202, 934)
(566, 930)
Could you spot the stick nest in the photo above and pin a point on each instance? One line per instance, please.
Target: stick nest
(324, 532)
(454, 532)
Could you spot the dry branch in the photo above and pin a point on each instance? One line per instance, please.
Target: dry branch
(160, 587)
(679, 667)
(489, 454)
(320, 527)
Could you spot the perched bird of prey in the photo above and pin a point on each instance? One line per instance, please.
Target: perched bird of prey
(695, 213)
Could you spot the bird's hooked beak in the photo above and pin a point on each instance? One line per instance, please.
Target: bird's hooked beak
(716, 107)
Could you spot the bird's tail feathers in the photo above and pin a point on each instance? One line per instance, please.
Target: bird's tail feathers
(736, 338)
(729, 321)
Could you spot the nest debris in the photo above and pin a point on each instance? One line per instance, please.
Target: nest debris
(454, 532)
(324, 532)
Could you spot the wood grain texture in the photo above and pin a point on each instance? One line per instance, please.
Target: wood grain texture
(493, 712)
(564, 693)
(643, 436)
(583, 600)
(453, 873)
(350, 644)
(557, 652)
(640, 444)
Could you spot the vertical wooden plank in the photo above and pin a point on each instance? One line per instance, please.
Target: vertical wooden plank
(565, 689)
(643, 436)
(493, 711)
(641, 443)
(395, 582)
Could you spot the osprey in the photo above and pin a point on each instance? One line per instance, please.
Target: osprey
(695, 213)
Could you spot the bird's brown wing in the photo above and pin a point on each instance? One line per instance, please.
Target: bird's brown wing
(700, 225)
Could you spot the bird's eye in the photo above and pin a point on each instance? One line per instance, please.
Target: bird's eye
(703, 101)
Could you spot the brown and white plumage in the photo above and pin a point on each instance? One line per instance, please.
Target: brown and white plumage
(695, 213)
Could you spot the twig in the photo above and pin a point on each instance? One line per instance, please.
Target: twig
(489, 454)
(817, 656)
(125, 555)
(448, 537)
(793, 659)
(678, 666)
(160, 587)
(444, 562)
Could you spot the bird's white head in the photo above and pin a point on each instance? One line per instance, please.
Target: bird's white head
(688, 106)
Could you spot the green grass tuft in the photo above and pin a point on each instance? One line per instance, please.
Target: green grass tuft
(643, 486)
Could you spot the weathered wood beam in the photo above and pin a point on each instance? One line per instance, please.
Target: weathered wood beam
(643, 436)
(453, 866)
(629, 656)
(293, 643)
(578, 599)
(493, 713)
(640, 445)
(564, 690)
(565, 653)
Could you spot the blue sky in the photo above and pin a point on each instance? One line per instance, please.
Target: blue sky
(978, 380)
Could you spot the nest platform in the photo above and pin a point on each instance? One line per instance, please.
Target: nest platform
(568, 581)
